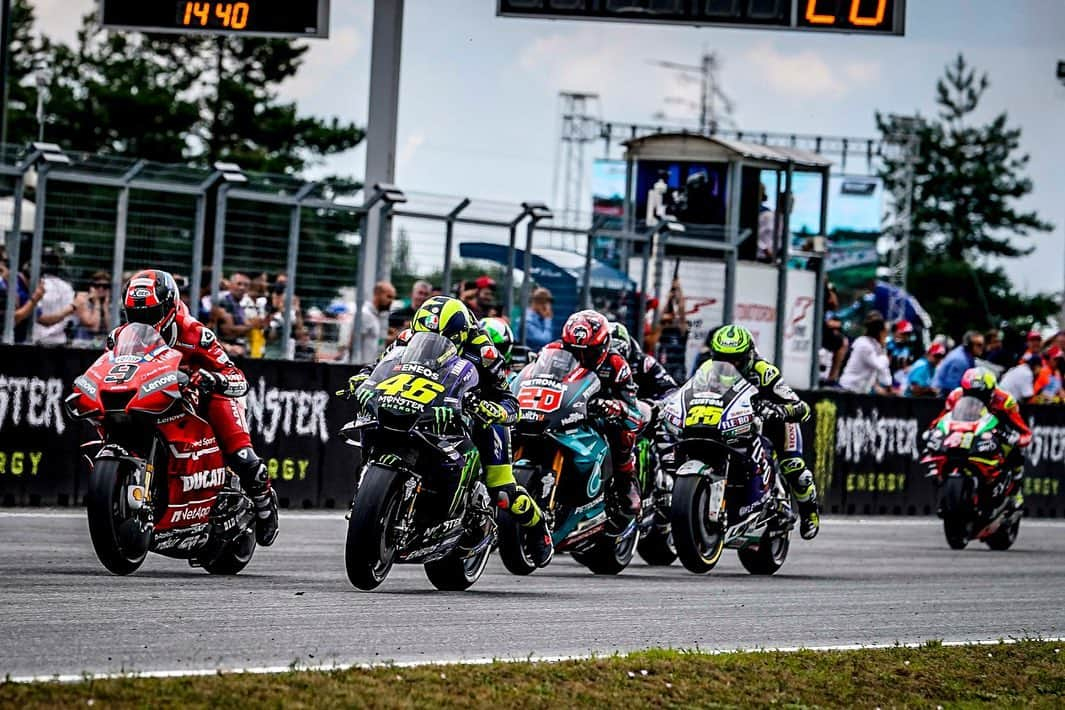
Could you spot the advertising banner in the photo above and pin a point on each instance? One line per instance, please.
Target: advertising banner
(863, 450)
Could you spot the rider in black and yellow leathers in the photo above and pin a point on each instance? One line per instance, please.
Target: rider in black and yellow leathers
(496, 410)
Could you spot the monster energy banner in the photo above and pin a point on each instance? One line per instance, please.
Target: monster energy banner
(863, 450)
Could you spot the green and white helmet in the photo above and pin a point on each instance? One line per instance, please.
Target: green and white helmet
(620, 340)
(733, 344)
(499, 332)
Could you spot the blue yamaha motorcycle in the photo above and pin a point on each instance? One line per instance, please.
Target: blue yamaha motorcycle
(564, 462)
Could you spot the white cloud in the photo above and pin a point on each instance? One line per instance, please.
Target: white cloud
(326, 62)
(410, 146)
(807, 73)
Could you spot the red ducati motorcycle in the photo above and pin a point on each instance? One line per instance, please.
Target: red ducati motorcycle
(159, 482)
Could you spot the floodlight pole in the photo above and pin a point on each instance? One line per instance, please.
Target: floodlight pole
(382, 119)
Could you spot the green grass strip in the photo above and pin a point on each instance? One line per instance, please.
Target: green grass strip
(1027, 673)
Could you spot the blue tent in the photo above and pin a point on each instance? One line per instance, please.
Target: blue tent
(561, 272)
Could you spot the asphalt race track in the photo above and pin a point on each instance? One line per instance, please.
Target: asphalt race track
(873, 581)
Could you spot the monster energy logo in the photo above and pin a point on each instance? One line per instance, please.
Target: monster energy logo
(442, 418)
(473, 460)
(824, 443)
(388, 460)
(643, 450)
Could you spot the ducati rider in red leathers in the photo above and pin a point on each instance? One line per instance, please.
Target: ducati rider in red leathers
(586, 335)
(152, 298)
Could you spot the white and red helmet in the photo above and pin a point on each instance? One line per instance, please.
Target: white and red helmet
(152, 298)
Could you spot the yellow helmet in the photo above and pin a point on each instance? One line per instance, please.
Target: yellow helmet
(445, 316)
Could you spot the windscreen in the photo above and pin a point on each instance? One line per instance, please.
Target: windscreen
(428, 349)
(137, 339)
(715, 376)
(968, 409)
(556, 364)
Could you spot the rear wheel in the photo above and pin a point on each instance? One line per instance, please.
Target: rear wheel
(699, 541)
(609, 554)
(513, 538)
(956, 510)
(370, 548)
(1005, 536)
(235, 557)
(768, 555)
(657, 548)
(120, 542)
(455, 573)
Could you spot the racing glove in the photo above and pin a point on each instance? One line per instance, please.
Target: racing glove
(212, 382)
(489, 412)
(1013, 438)
(353, 385)
(608, 408)
(770, 411)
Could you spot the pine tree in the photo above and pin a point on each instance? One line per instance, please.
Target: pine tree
(969, 178)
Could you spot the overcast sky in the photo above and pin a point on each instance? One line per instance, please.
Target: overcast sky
(478, 95)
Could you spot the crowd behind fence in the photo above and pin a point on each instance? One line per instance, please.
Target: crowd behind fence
(272, 262)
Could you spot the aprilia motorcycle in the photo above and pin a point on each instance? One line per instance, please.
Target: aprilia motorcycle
(653, 447)
(727, 491)
(159, 481)
(421, 495)
(965, 453)
(564, 462)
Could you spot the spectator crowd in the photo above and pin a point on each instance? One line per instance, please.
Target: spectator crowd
(896, 358)
(899, 359)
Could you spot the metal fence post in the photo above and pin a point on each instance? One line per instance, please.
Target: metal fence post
(650, 246)
(294, 225)
(449, 240)
(37, 248)
(586, 288)
(728, 312)
(199, 237)
(782, 268)
(118, 259)
(218, 253)
(508, 277)
(14, 253)
(536, 211)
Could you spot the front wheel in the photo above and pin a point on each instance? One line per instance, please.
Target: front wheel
(1005, 536)
(370, 548)
(609, 554)
(768, 555)
(699, 541)
(512, 546)
(456, 573)
(235, 557)
(513, 538)
(956, 512)
(657, 548)
(121, 543)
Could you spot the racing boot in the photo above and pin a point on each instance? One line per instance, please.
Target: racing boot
(626, 501)
(1018, 488)
(540, 547)
(801, 482)
(256, 482)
